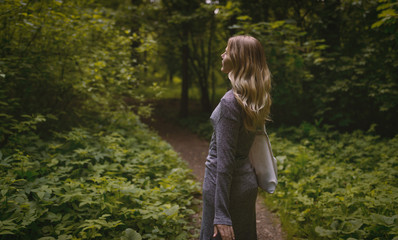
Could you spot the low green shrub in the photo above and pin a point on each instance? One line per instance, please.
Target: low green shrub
(114, 179)
(336, 186)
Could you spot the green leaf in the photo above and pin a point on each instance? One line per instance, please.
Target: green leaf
(130, 234)
(4, 192)
(388, 13)
(65, 237)
(40, 194)
(170, 212)
(352, 226)
(244, 18)
(277, 24)
(383, 220)
(6, 232)
(325, 232)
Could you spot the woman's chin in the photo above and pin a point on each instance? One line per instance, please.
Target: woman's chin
(224, 70)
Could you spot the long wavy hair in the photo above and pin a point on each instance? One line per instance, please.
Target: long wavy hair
(250, 79)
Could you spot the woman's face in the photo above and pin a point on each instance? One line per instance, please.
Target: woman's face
(226, 64)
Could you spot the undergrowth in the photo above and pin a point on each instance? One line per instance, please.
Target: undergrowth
(336, 186)
(112, 180)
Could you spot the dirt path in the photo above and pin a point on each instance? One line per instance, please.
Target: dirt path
(194, 150)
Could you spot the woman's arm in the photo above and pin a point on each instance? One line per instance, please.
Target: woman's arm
(227, 132)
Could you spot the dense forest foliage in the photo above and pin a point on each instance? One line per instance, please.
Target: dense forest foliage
(77, 163)
(333, 62)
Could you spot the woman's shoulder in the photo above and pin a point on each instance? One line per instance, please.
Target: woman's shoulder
(229, 98)
(229, 105)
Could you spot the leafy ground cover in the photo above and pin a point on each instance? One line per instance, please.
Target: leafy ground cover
(112, 180)
(336, 186)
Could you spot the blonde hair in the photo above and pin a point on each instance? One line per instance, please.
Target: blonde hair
(250, 79)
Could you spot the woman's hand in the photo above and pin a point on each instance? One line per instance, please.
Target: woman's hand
(226, 232)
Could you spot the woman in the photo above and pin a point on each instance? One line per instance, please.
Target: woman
(230, 185)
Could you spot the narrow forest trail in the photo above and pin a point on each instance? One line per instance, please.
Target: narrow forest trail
(194, 150)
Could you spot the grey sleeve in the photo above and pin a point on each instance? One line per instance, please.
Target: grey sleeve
(227, 132)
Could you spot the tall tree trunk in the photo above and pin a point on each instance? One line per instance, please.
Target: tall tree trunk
(171, 75)
(204, 95)
(213, 88)
(205, 98)
(331, 16)
(185, 74)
